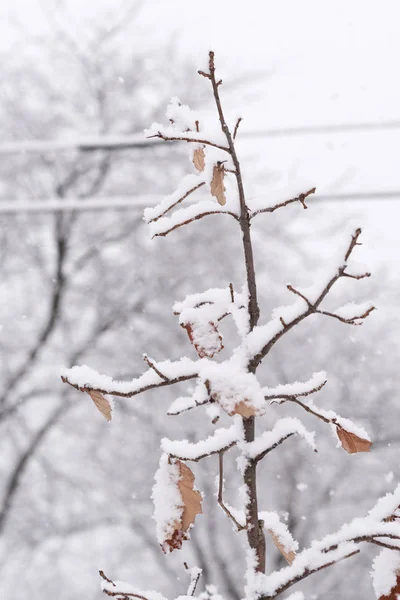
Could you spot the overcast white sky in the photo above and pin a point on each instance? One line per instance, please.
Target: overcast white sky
(330, 62)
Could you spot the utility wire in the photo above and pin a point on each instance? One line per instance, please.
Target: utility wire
(137, 141)
(141, 202)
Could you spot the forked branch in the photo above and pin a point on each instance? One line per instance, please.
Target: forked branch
(313, 307)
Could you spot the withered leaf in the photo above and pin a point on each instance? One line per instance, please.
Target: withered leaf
(206, 339)
(191, 501)
(191, 498)
(217, 184)
(351, 442)
(243, 409)
(394, 592)
(288, 555)
(199, 159)
(101, 403)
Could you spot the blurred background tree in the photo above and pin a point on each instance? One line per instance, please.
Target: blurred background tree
(89, 287)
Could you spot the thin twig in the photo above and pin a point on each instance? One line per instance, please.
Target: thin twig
(312, 307)
(237, 127)
(153, 366)
(268, 450)
(349, 321)
(294, 291)
(123, 595)
(205, 455)
(226, 510)
(300, 198)
(302, 394)
(232, 293)
(193, 189)
(196, 218)
(161, 136)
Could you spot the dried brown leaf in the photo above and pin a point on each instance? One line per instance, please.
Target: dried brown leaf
(243, 409)
(395, 591)
(191, 500)
(101, 403)
(351, 442)
(288, 555)
(217, 184)
(199, 159)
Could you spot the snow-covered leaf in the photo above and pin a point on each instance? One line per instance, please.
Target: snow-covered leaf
(176, 503)
(288, 555)
(205, 337)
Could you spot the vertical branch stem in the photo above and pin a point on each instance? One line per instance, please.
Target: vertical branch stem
(254, 311)
(255, 533)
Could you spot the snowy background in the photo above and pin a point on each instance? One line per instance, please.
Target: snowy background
(316, 84)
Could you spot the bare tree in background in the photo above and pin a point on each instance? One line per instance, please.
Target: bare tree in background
(230, 388)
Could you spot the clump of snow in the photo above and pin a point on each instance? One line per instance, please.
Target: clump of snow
(182, 116)
(167, 499)
(229, 386)
(386, 506)
(385, 571)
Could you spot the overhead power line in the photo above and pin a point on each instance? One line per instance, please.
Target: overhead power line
(141, 202)
(137, 141)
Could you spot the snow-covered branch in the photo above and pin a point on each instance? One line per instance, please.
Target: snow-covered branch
(269, 440)
(262, 339)
(220, 441)
(86, 379)
(380, 523)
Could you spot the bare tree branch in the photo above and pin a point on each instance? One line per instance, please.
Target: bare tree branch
(312, 307)
(300, 198)
(226, 510)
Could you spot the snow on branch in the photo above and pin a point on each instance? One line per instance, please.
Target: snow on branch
(261, 340)
(297, 389)
(165, 225)
(269, 440)
(182, 404)
(188, 185)
(376, 526)
(121, 590)
(281, 535)
(200, 314)
(353, 438)
(221, 440)
(160, 374)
